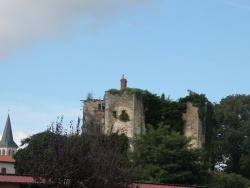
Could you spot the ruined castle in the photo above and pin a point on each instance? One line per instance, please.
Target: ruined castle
(125, 114)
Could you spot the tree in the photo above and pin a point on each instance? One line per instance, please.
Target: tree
(226, 181)
(233, 135)
(73, 159)
(165, 158)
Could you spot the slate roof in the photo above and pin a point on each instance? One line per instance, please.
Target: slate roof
(7, 138)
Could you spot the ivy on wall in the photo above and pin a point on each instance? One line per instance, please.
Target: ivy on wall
(123, 116)
(206, 115)
(114, 114)
(159, 109)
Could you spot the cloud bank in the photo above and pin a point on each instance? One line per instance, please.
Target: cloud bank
(24, 22)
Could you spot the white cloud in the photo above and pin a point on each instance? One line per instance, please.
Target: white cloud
(18, 136)
(23, 22)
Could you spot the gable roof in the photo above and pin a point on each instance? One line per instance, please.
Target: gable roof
(7, 138)
(7, 159)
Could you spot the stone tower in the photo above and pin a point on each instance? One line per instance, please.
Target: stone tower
(93, 116)
(7, 144)
(124, 114)
(193, 127)
(117, 113)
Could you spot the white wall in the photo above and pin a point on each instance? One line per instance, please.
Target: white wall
(9, 167)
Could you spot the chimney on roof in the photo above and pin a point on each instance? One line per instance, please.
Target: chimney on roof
(123, 82)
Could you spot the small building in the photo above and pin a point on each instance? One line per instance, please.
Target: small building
(8, 148)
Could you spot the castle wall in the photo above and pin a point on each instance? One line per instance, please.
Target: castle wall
(93, 116)
(102, 116)
(139, 120)
(193, 127)
(115, 105)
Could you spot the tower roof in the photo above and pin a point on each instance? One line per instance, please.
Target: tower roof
(7, 138)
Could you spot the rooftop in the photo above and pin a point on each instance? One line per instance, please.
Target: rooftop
(7, 138)
(6, 158)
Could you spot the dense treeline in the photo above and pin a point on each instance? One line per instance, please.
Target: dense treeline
(233, 135)
(60, 158)
(161, 155)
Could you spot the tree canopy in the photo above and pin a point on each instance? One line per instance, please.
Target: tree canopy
(161, 155)
(233, 136)
(165, 157)
(76, 160)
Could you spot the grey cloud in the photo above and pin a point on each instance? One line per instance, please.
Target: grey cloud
(24, 22)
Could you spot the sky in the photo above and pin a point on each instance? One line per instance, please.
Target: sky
(54, 52)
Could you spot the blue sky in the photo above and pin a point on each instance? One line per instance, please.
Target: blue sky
(52, 53)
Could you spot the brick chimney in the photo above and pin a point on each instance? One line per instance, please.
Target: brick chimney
(123, 82)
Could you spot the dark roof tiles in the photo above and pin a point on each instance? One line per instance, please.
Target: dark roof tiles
(7, 138)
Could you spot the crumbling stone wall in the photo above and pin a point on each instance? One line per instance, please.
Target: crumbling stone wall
(102, 116)
(193, 127)
(93, 116)
(132, 106)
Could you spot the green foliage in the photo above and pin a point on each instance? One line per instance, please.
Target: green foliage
(114, 114)
(226, 181)
(165, 158)
(157, 109)
(90, 96)
(124, 116)
(81, 159)
(197, 100)
(130, 91)
(207, 117)
(233, 137)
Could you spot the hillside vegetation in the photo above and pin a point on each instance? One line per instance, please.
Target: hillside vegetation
(161, 155)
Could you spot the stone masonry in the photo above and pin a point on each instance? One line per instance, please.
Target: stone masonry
(129, 104)
(193, 127)
(102, 116)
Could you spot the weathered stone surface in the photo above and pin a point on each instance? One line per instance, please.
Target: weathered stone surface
(102, 116)
(132, 106)
(193, 127)
(93, 116)
(106, 120)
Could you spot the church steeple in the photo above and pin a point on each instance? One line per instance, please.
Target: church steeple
(7, 138)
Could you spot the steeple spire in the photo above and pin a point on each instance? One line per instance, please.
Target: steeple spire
(7, 138)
